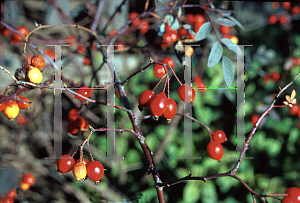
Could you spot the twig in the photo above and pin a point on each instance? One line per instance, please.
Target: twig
(11, 75)
(249, 138)
(113, 15)
(97, 16)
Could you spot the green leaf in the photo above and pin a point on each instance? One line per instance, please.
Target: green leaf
(224, 21)
(228, 71)
(203, 31)
(189, 28)
(231, 46)
(215, 54)
(236, 22)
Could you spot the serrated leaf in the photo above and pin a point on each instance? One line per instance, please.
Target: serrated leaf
(228, 71)
(224, 21)
(231, 46)
(203, 31)
(236, 22)
(215, 54)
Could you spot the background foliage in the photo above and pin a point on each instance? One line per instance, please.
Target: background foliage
(275, 146)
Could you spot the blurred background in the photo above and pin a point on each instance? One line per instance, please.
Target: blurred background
(275, 145)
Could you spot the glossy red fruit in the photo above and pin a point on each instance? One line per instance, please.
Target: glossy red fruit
(80, 49)
(254, 119)
(23, 105)
(273, 19)
(159, 70)
(72, 127)
(225, 29)
(219, 136)
(199, 19)
(275, 76)
(95, 171)
(293, 193)
(112, 33)
(295, 10)
(65, 163)
(286, 5)
(84, 160)
(12, 193)
(186, 93)
(144, 26)
(8, 200)
(73, 114)
(169, 61)
(197, 79)
(145, 98)
(294, 110)
(84, 91)
(295, 61)
(133, 15)
(86, 61)
(50, 53)
(158, 104)
(6, 32)
(286, 200)
(28, 178)
(266, 78)
(168, 28)
(171, 36)
(24, 32)
(72, 39)
(283, 19)
(191, 36)
(183, 32)
(190, 18)
(171, 109)
(38, 61)
(196, 27)
(215, 150)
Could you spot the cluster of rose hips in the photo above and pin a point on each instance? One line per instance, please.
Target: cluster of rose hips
(76, 122)
(275, 76)
(293, 195)
(161, 105)
(15, 37)
(159, 70)
(214, 148)
(225, 30)
(283, 18)
(12, 108)
(31, 72)
(82, 168)
(143, 25)
(169, 37)
(27, 181)
(196, 21)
